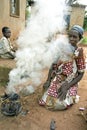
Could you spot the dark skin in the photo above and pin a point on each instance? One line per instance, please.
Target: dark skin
(7, 34)
(62, 91)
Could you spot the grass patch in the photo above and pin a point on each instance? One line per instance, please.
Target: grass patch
(84, 41)
(3, 83)
(4, 75)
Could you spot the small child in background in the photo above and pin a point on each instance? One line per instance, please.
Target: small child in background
(6, 50)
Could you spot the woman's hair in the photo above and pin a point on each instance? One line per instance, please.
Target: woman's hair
(4, 29)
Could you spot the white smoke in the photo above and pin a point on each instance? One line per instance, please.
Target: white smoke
(38, 48)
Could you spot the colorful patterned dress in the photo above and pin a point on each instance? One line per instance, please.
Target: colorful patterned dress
(65, 71)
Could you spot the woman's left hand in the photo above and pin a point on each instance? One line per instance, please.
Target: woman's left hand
(62, 91)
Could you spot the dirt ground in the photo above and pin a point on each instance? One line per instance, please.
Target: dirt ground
(38, 118)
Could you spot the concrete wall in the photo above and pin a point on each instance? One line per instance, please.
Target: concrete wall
(77, 15)
(15, 23)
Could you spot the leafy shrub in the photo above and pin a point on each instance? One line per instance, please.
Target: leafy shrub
(84, 41)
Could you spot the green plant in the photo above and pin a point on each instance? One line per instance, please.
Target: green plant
(84, 41)
(27, 13)
(4, 75)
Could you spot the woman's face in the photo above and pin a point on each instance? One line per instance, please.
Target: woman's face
(73, 37)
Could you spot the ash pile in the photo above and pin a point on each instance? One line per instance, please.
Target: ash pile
(10, 104)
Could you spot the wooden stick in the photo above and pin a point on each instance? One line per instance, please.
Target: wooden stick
(84, 116)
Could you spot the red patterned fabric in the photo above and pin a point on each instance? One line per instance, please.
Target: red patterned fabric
(52, 91)
(67, 68)
(80, 63)
(41, 102)
(73, 91)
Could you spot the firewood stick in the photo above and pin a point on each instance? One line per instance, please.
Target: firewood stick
(84, 116)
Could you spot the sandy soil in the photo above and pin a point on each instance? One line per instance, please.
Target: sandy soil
(38, 118)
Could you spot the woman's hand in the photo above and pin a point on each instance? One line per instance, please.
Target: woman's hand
(62, 91)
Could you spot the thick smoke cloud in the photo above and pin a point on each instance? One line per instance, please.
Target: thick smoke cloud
(38, 47)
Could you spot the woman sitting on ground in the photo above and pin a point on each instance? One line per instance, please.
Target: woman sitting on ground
(60, 89)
